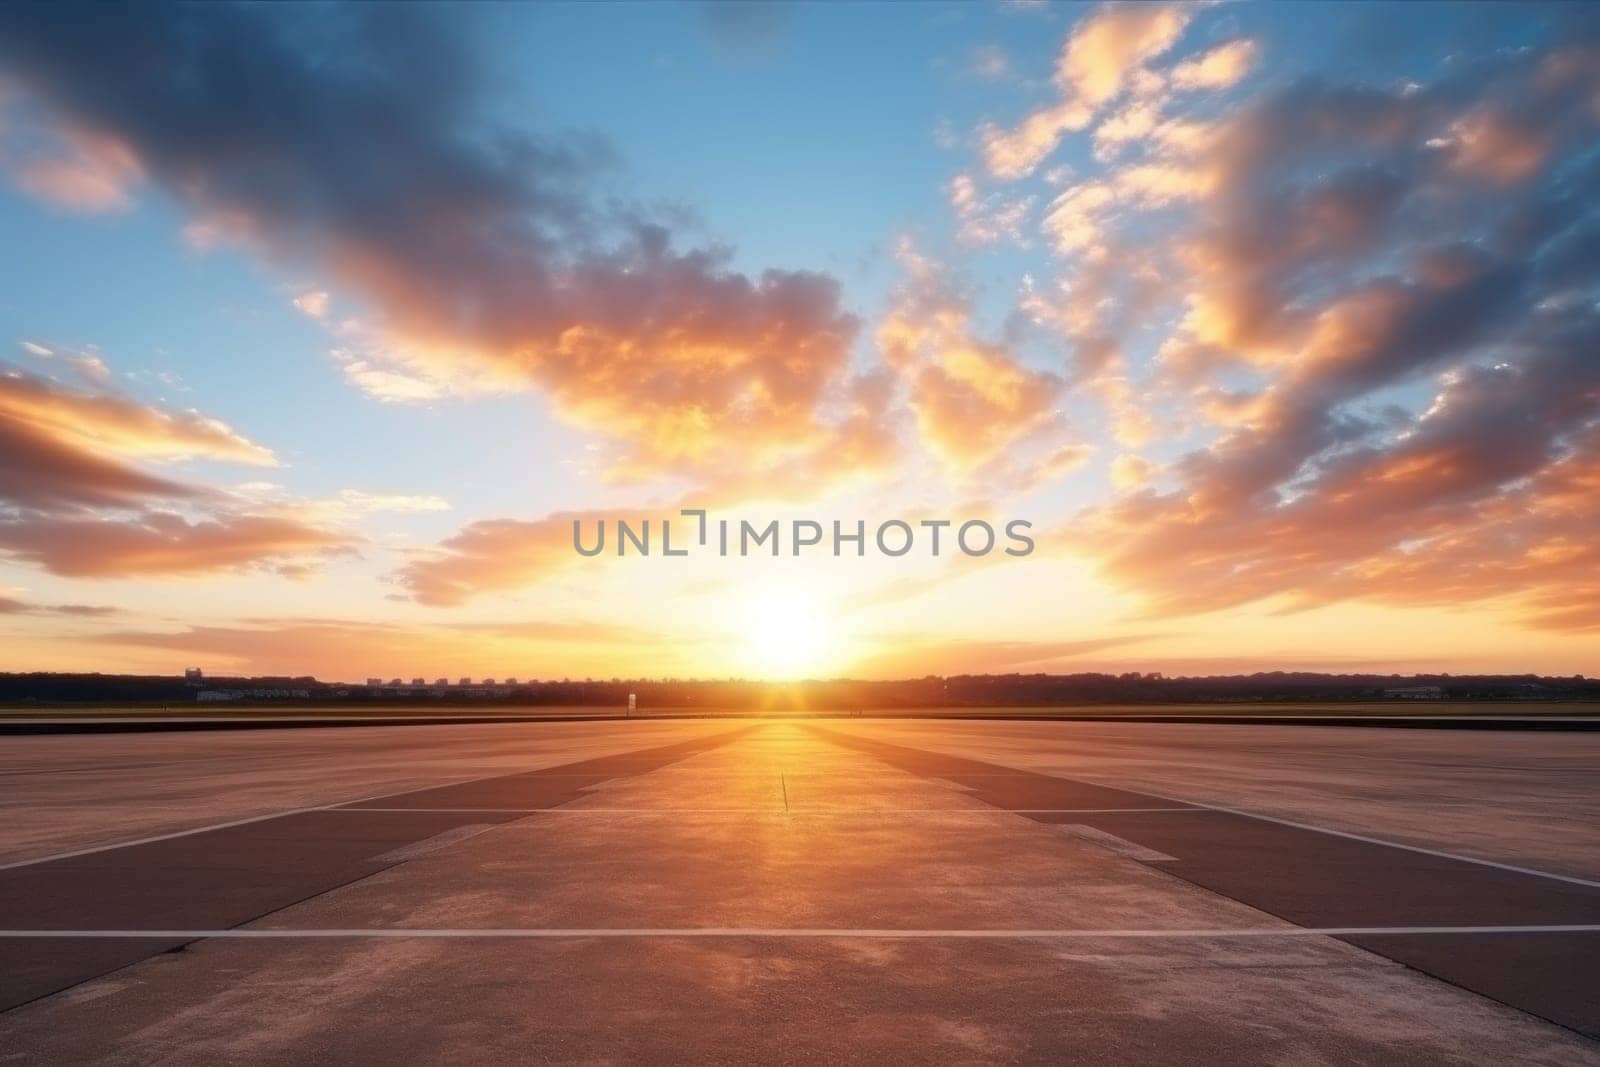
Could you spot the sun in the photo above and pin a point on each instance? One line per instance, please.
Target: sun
(788, 632)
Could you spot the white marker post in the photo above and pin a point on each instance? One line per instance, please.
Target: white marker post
(633, 703)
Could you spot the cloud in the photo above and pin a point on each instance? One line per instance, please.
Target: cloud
(1133, 123)
(162, 543)
(990, 62)
(91, 368)
(103, 421)
(1390, 332)
(386, 384)
(972, 399)
(1220, 68)
(13, 606)
(313, 302)
(1054, 466)
(1130, 471)
(988, 219)
(64, 447)
(476, 246)
(1014, 153)
(352, 650)
(493, 555)
(343, 511)
(73, 502)
(75, 169)
(40, 471)
(1107, 48)
(404, 503)
(1103, 57)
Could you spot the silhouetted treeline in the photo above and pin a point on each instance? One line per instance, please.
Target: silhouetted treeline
(130, 688)
(973, 690)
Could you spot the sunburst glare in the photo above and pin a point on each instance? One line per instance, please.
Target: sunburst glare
(789, 632)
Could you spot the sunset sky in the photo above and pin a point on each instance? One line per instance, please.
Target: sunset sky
(320, 325)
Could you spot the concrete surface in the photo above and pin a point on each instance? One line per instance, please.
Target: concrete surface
(1517, 797)
(862, 891)
(64, 793)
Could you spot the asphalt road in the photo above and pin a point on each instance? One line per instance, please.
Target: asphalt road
(780, 891)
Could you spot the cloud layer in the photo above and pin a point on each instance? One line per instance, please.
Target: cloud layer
(1382, 302)
(61, 446)
(486, 253)
(74, 501)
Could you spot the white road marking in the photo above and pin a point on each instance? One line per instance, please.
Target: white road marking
(242, 934)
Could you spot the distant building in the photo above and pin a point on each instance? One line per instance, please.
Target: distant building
(1414, 692)
(193, 675)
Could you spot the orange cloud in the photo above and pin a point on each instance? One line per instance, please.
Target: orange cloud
(1016, 153)
(106, 423)
(69, 489)
(352, 650)
(1109, 46)
(1104, 56)
(160, 543)
(62, 447)
(1130, 471)
(496, 554)
(972, 399)
(1330, 248)
(39, 471)
(1490, 496)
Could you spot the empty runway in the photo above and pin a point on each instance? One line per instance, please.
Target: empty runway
(781, 890)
